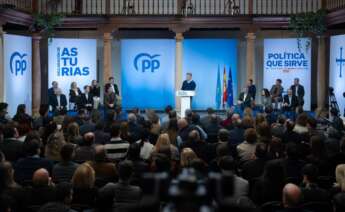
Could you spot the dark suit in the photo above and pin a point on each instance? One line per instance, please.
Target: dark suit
(12, 149)
(246, 100)
(109, 99)
(116, 89)
(54, 102)
(252, 91)
(51, 92)
(300, 93)
(188, 86)
(73, 97)
(291, 104)
(86, 101)
(95, 91)
(25, 168)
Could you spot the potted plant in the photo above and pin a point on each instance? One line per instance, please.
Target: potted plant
(46, 23)
(308, 23)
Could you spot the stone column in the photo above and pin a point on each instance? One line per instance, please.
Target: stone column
(2, 77)
(107, 68)
(321, 72)
(250, 60)
(36, 74)
(178, 67)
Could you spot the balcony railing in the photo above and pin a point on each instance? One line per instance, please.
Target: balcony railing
(172, 7)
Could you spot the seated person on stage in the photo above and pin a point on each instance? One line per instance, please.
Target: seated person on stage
(109, 97)
(188, 84)
(266, 100)
(251, 88)
(74, 95)
(277, 93)
(51, 91)
(245, 99)
(290, 101)
(86, 99)
(58, 101)
(298, 90)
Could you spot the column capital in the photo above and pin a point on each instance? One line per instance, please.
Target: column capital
(250, 36)
(36, 36)
(179, 37)
(107, 36)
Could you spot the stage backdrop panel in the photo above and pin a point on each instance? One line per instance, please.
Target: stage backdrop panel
(17, 66)
(337, 69)
(72, 60)
(148, 77)
(283, 60)
(203, 58)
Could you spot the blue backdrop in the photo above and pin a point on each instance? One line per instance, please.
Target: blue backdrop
(148, 67)
(202, 57)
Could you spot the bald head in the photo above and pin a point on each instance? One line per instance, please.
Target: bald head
(182, 123)
(291, 195)
(41, 177)
(89, 138)
(194, 135)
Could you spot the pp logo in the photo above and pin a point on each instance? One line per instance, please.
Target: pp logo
(17, 63)
(145, 62)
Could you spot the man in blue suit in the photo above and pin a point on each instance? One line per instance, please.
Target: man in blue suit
(188, 84)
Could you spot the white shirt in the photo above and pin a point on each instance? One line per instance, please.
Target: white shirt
(296, 87)
(58, 101)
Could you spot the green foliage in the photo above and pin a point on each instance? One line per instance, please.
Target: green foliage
(46, 23)
(306, 23)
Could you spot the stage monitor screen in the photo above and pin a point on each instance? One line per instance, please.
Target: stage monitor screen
(284, 60)
(17, 68)
(72, 60)
(147, 73)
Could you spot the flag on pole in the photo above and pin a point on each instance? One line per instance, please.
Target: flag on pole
(225, 90)
(230, 91)
(218, 90)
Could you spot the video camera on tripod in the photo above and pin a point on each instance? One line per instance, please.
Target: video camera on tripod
(333, 102)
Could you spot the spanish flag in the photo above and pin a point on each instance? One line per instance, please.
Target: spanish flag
(225, 88)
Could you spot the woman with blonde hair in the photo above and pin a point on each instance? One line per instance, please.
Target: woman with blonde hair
(164, 141)
(187, 156)
(340, 177)
(54, 144)
(72, 134)
(84, 190)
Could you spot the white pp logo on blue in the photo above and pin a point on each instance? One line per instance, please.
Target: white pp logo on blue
(145, 62)
(18, 63)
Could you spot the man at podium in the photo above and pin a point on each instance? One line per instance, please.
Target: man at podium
(188, 84)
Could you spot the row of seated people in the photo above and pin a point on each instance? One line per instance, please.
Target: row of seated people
(105, 159)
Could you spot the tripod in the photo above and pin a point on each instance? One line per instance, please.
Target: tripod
(333, 101)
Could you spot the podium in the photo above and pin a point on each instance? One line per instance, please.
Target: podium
(185, 100)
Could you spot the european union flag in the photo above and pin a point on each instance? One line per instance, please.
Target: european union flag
(230, 90)
(218, 90)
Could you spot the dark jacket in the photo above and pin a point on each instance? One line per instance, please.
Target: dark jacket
(54, 102)
(25, 168)
(291, 104)
(300, 93)
(86, 101)
(188, 86)
(12, 149)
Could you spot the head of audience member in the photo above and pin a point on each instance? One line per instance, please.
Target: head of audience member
(173, 125)
(296, 81)
(250, 135)
(41, 178)
(264, 131)
(199, 166)
(10, 131)
(86, 89)
(67, 152)
(265, 92)
(72, 131)
(229, 113)
(172, 114)
(292, 151)
(182, 123)
(124, 131)
(58, 91)
(339, 202)
(163, 140)
(188, 115)
(274, 173)
(74, 86)
(189, 76)
(261, 151)
(194, 136)
(133, 153)
(223, 135)
(132, 119)
(291, 196)
(259, 118)
(227, 164)
(94, 83)
(168, 109)
(125, 169)
(32, 147)
(340, 176)
(44, 109)
(115, 130)
(289, 92)
(318, 147)
(21, 109)
(54, 145)
(88, 139)
(310, 174)
(187, 156)
(210, 111)
(236, 120)
(222, 150)
(6, 175)
(196, 119)
(84, 177)
(278, 82)
(3, 109)
(64, 192)
(302, 119)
